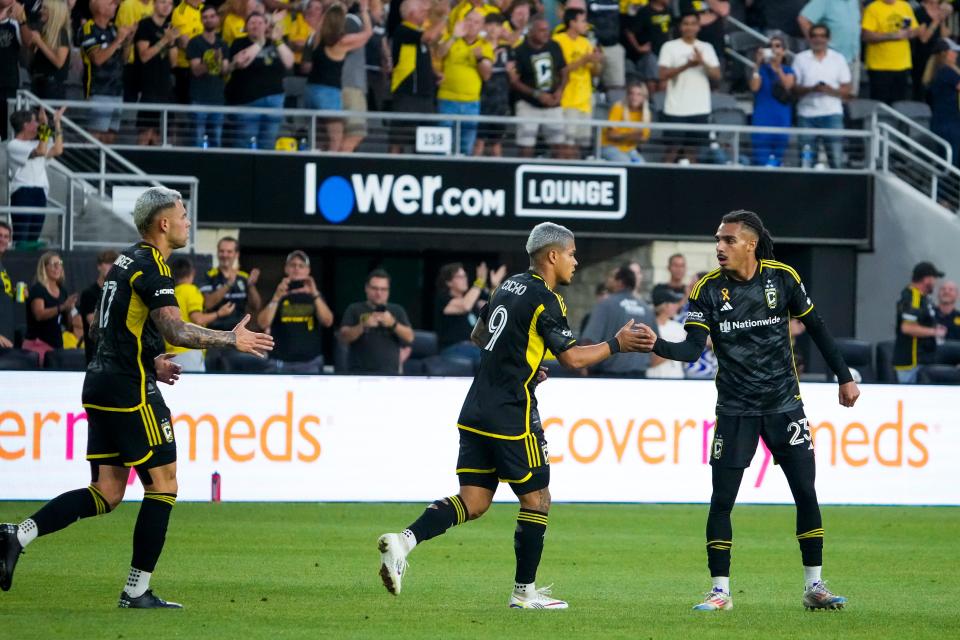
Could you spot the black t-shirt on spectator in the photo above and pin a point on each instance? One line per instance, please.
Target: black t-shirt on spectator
(208, 88)
(6, 305)
(539, 68)
(495, 96)
(88, 304)
(604, 15)
(781, 15)
(105, 79)
(156, 81)
(649, 25)
(412, 63)
(951, 321)
(9, 55)
(296, 330)
(47, 330)
(452, 329)
(264, 76)
(237, 295)
(41, 65)
(376, 350)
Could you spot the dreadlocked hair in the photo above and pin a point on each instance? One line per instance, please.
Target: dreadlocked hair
(764, 250)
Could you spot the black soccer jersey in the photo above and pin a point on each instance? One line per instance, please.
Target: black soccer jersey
(750, 326)
(908, 351)
(139, 282)
(524, 318)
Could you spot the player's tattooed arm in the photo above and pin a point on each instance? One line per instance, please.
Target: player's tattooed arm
(184, 334)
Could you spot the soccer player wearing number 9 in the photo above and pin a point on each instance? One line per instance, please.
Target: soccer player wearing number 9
(501, 438)
(745, 306)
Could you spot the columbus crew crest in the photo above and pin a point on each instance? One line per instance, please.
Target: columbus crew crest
(770, 293)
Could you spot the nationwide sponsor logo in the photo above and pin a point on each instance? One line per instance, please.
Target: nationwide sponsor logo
(727, 326)
(586, 193)
(338, 197)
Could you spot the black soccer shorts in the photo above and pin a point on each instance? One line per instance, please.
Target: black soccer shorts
(141, 438)
(735, 440)
(485, 461)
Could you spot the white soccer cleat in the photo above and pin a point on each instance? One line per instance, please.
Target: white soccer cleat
(393, 561)
(540, 599)
(819, 597)
(716, 600)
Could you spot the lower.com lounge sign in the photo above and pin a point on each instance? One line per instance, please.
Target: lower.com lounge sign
(550, 191)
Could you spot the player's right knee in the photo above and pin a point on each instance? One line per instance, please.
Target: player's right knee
(110, 496)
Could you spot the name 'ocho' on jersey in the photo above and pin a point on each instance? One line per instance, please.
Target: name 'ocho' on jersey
(139, 282)
(749, 323)
(524, 318)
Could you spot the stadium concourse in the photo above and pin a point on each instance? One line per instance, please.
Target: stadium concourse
(623, 263)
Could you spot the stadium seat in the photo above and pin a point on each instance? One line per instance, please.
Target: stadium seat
(949, 353)
(65, 360)
(451, 367)
(720, 101)
(728, 116)
(858, 354)
(424, 344)
(884, 369)
(938, 374)
(743, 42)
(859, 111)
(14, 359)
(916, 111)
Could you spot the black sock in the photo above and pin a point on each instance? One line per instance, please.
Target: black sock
(151, 530)
(438, 517)
(528, 544)
(801, 476)
(69, 507)
(726, 484)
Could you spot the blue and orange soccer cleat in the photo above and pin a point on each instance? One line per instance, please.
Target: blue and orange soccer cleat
(716, 600)
(817, 596)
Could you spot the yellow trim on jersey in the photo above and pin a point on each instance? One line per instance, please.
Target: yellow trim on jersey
(535, 350)
(805, 312)
(164, 269)
(137, 313)
(140, 461)
(699, 324)
(134, 277)
(520, 481)
(114, 409)
(489, 434)
(695, 292)
(465, 470)
(773, 264)
(915, 300)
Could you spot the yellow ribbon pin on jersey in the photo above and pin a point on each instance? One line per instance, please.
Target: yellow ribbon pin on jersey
(726, 294)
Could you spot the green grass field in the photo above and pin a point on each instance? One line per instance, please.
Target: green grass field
(630, 571)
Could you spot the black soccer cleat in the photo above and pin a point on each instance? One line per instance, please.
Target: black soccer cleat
(146, 601)
(10, 551)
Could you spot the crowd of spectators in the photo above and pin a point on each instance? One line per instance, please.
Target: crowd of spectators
(562, 61)
(375, 336)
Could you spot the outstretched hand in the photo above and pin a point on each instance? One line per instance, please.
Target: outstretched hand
(259, 344)
(630, 337)
(168, 371)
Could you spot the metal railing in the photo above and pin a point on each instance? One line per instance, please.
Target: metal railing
(708, 144)
(84, 180)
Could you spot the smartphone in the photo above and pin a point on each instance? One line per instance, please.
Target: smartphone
(767, 54)
(295, 284)
(906, 23)
(381, 308)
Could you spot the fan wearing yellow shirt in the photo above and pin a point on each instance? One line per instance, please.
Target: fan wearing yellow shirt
(460, 10)
(887, 28)
(619, 144)
(299, 26)
(130, 13)
(186, 20)
(584, 61)
(467, 64)
(190, 301)
(233, 14)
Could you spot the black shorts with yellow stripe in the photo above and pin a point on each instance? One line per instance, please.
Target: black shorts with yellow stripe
(142, 437)
(485, 461)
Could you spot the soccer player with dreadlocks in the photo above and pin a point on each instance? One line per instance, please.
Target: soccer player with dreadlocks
(745, 306)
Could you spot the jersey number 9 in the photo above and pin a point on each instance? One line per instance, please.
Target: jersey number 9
(498, 321)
